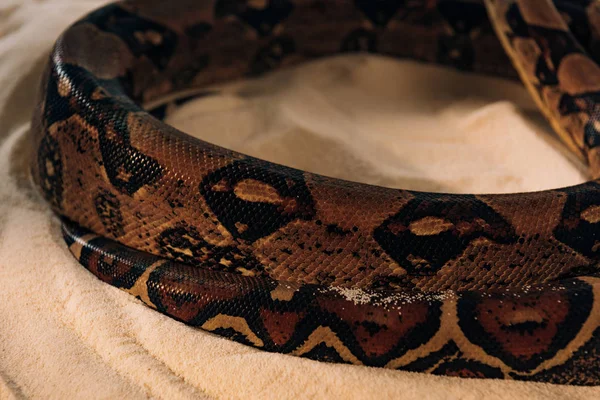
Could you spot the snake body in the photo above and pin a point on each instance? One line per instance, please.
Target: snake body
(488, 286)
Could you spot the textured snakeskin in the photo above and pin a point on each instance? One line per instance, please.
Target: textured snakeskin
(494, 286)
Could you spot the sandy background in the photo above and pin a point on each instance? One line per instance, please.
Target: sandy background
(64, 334)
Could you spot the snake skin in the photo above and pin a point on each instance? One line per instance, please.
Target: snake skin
(486, 286)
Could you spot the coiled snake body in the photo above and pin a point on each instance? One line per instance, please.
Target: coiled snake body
(495, 286)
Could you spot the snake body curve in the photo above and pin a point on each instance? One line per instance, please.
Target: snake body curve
(488, 286)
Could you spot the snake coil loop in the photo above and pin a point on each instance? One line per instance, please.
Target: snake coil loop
(488, 286)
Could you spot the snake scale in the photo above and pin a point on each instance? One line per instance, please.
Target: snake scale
(486, 286)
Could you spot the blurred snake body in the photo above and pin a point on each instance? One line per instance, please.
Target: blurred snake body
(486, 286)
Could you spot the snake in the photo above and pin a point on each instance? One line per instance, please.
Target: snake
(498, 286)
